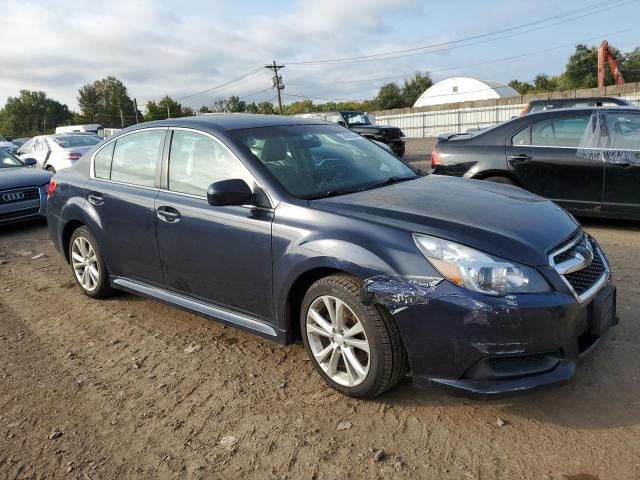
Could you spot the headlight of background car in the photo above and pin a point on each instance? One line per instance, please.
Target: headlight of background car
(479, 271)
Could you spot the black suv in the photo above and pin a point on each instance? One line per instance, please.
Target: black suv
(359, 123)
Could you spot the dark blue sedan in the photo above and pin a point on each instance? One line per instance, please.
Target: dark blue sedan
(23, 190)
(298, 229)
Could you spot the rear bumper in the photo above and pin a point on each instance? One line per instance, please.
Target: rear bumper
(487, 347)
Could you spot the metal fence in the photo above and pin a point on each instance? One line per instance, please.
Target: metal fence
(430, 123)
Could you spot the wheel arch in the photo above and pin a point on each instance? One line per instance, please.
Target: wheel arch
(67, 231)
(496, 173)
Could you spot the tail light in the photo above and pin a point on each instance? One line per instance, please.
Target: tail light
(435, 157)
(72, 155)
(51, 189)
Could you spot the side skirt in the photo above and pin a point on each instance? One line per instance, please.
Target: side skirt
(242, 321)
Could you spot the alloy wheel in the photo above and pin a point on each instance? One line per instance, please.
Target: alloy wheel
(85, 264)
(337, 340)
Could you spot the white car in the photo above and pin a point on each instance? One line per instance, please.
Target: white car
(55, 152)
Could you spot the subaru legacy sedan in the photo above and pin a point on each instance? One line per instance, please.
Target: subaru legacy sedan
(294, 228)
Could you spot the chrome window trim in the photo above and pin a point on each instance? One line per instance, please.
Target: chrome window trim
(596, 286)
(215, 139)
(201, 197)
(92, 173)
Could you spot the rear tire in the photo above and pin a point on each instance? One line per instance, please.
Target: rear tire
(357, 349)
(401, 151)
(87, 264)
(50, 169)
(503, 180)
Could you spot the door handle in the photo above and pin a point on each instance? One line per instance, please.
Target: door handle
(95, 199)
(522, 157)
(168, 214)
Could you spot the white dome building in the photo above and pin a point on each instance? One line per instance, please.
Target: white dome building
(463, 89)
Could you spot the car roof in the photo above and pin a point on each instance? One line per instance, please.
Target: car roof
(578, 110)
(579, 99)
(232, 121)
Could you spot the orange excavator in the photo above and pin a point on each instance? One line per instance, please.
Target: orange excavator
(604, 54)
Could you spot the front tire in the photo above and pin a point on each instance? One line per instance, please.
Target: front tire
(355, 348)
(87, 264)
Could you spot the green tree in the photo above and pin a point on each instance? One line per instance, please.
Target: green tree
(523, 88)
(415, 87)
(234, 104)
(167, 107)
(582, 68)
(32, 113)
(266, 108)
(631, 66)
(389, 96)
(252, 108)
(106, 102)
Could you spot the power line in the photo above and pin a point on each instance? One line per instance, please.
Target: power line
(590, 10)
(222, 85)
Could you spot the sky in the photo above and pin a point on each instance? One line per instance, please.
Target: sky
(160, 47)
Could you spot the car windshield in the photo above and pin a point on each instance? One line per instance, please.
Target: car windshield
(8, 161)
(315, 161)
(70, 141)
(354, 119)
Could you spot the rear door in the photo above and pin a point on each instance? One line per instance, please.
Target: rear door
(221, 255)
(544, 159)
(120, 195)
(622, 163)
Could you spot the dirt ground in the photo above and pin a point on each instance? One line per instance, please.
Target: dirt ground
(130, 388)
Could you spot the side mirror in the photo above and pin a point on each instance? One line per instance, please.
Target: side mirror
(30, 162)
(229, 192)
(342, 122)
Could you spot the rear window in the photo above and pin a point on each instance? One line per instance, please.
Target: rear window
(135, 158)
(70, 141)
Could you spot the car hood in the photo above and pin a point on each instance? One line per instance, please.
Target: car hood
(505, 221)
(7, 145)
(22, 177)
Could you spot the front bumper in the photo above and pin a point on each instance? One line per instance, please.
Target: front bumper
(24, 210)
(488, 346)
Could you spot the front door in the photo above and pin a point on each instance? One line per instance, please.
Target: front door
(220, 255)
(121, 194)
(622, 163)
(546, 159)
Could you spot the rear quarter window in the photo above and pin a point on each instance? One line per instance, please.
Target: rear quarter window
(102, 162)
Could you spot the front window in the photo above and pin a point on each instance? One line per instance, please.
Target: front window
(355, 119)
(559, 132)
(8, 161)
(313, 161)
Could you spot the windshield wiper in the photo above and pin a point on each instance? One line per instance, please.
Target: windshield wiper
(390, 181)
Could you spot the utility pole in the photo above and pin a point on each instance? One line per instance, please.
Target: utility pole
(121, 118)
(168, 113)
(135, 107)
(276, 82)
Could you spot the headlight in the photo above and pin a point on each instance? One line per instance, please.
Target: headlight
(479, 271)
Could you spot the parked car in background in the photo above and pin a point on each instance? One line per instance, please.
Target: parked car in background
(18, 142)
(295, 228)
(23, 190)
(94, 128)
(55, 152)
(359, 123)
(536, 106)
(585, 159)
(7, 145)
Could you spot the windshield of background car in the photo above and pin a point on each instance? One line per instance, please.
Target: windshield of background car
(7, 160)
(312, 161)
(354, 119)
(71, 141)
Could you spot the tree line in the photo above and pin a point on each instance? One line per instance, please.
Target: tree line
(107, 101)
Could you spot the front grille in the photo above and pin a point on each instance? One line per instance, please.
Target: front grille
(19, 195)
(580, 281)
(584, 279)
(393, 133)
(19, 214)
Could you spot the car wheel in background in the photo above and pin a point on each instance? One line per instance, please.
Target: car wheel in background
(505, 180)
(50, 169)
(88, 265)
(356, 348)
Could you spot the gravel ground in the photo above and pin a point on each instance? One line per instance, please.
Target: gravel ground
(131, 388)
